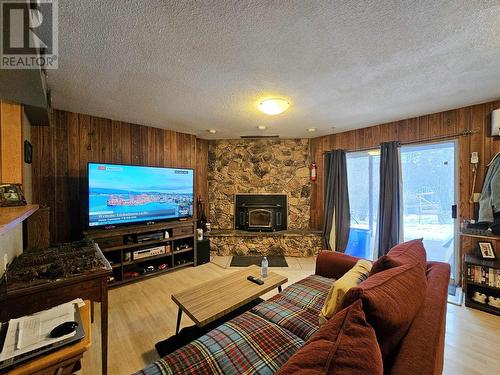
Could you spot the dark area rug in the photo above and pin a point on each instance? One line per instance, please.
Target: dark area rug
(248, 260)
(188, 334)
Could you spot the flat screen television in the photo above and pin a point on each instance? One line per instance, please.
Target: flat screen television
(126, 194)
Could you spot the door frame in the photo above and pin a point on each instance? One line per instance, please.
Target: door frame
(456, 233)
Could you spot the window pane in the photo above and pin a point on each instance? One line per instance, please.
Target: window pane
(363, 183)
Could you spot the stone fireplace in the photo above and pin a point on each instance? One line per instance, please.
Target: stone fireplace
(261, 212)
(259, 197)
(261, 166)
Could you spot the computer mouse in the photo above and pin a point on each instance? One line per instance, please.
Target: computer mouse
(63, 329)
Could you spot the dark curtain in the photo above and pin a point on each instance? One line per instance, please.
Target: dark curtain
(337, 216)
(389, 201)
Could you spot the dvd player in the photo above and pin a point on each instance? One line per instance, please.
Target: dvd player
(152, 236)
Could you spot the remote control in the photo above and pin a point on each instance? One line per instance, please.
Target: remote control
(255, 280)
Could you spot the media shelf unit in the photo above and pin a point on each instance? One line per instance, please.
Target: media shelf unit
(481, 275)
(118, 245)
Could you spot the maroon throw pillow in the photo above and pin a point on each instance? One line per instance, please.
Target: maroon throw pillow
(409, 252)
(391, 300)
(345, 345)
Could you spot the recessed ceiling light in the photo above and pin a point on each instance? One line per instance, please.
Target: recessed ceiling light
(262, 127)
(311, 129)
(273, 106)
(212, 131)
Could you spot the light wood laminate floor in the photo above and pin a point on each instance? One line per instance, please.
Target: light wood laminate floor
(142, 314)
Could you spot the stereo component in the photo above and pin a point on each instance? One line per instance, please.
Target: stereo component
(146, 253)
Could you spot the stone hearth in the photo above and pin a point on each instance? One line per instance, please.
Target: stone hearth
(289, 243)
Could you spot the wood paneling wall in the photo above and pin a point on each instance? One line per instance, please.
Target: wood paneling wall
(476, 117)
(202, 172)
(11, 143)
(11, 171)
(62, 150)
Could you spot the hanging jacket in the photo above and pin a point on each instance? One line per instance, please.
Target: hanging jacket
(489, 202)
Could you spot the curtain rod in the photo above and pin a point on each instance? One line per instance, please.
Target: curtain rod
(465, 133)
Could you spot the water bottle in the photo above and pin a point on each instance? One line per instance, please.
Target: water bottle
(263, 269)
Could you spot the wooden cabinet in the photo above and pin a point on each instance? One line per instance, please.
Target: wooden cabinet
(92, 284)
(11, 143)
(126, 249)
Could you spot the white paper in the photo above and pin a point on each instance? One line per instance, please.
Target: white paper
(28, 332)
(31, 332)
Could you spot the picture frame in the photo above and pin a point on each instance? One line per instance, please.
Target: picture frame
(486, 249)
(11, 195)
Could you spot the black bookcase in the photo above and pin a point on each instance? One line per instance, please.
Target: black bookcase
(481, 275)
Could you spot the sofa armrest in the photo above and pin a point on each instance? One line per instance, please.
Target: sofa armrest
(422, 349)
(334, 265)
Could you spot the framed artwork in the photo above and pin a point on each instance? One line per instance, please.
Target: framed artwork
(486, 249)
(11, 195)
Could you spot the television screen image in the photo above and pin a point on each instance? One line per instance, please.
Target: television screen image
(121, 194)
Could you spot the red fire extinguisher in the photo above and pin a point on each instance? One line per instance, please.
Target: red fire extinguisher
(314, 172)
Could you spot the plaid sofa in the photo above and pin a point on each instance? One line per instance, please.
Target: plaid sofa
(259, 341)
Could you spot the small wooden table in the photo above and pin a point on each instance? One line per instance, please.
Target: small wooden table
(91, 285)
(211, 300)
(62, 361)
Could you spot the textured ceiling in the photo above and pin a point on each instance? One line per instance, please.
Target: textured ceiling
(194, 65)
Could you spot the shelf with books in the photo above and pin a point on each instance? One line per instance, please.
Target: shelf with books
(482, 283)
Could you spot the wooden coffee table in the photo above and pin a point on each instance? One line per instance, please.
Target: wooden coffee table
(209, 301)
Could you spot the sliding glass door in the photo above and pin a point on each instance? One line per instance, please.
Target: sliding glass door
(428, 193)
(363, 170)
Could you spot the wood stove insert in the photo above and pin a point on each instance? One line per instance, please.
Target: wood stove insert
(261, 212)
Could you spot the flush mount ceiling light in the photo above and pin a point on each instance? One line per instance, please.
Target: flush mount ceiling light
(262, 127)
(212, 131)
(273, 106)
(311, 130)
